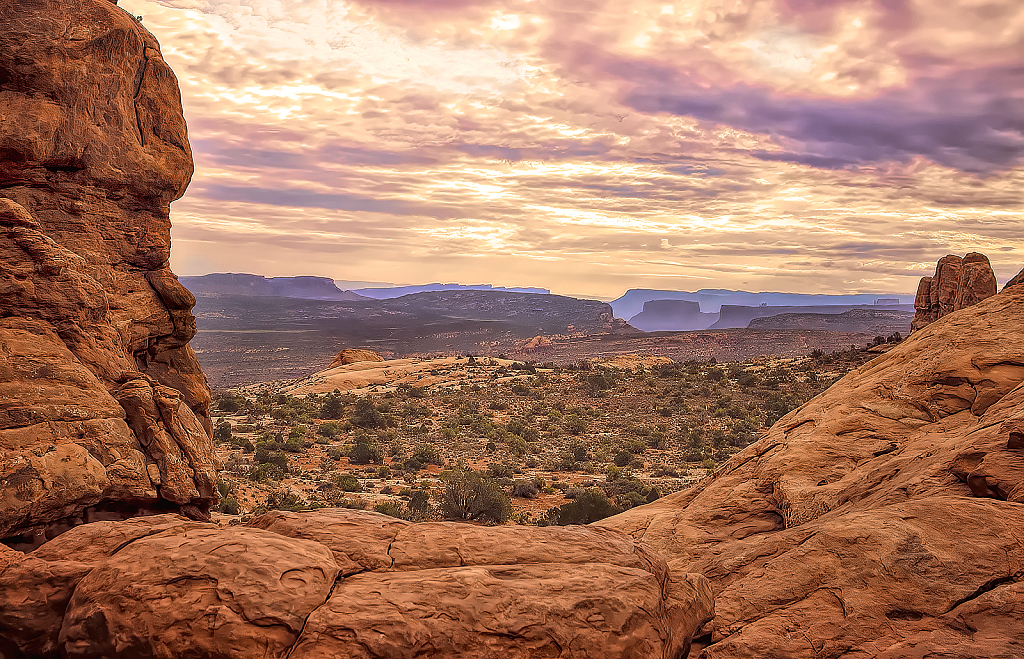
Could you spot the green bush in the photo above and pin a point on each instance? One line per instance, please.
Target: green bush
(222, 432)
(423, 455)
(366, 415)
(347, 482)
(366, 451)
(472, 496)
(588, 506)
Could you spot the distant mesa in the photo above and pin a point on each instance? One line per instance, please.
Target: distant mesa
(882, 322)
(711, 299)
(389, 292)
(672, 315)
(308, 288)
(732, 316)
(353, 355)
(957, 284)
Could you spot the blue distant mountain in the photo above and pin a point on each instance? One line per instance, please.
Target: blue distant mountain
(712, 299)
(386, 293)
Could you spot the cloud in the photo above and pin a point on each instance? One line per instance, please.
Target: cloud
(595, 146)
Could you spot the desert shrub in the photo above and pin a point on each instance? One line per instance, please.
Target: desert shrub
(329, 429)
(589, 506)
(229, 506)
(575, 424)
(347, 482)
(366, 415)
(472, 496)
(525, 490)
(516, 445)
(365, 451)
(392, 509)
(423, 455)
(267, 472)
(501, 470)
(229, 402)
(265, 456)
(222, 432)
(280, 500)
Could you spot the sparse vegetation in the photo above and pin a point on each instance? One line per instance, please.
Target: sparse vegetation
(533, 444)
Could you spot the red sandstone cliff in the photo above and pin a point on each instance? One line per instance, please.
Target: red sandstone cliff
(883, 518)
(102, 402)
(957, 284)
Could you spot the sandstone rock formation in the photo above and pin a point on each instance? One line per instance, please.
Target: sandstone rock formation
(1016, 279)
(103, 407)
(957, 284)
(353, 355)
(884, 518)
(341, 583)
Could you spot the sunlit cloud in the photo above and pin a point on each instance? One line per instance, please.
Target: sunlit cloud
(594, 146)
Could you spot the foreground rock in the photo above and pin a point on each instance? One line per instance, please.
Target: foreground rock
(882, 519)
(957, 284)
(103, 407)
(341, 583)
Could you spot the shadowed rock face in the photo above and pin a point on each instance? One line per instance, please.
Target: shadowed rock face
(103, 403)
(884, 518)
(957, 284)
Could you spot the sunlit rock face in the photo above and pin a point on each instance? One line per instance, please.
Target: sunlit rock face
(343, 583)
(883, 518)
(957, 284)
(104, 409)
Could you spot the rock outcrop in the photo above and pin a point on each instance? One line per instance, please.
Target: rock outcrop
(103, 407)
(883, 518)
(353, 355)
(957, 284)
(341, 583)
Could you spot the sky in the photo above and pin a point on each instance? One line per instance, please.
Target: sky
(590, 146)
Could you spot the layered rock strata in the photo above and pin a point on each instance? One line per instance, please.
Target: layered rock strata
(883, 518)
(103, 407)
(341, 583)
(957, 284)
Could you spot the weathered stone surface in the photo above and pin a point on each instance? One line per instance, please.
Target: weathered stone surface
(882, 518)
(977, 281)
(204, 592)
(325, 584)
(93, 148)
(957, 284)
(484, 612)
(353, 355)
(438, 589)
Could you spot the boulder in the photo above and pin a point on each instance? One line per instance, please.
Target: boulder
(353, 355)
(957, 284)
(882, 518)
(344, 583)
(103, 405)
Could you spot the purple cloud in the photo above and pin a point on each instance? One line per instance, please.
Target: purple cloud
(971, 119)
